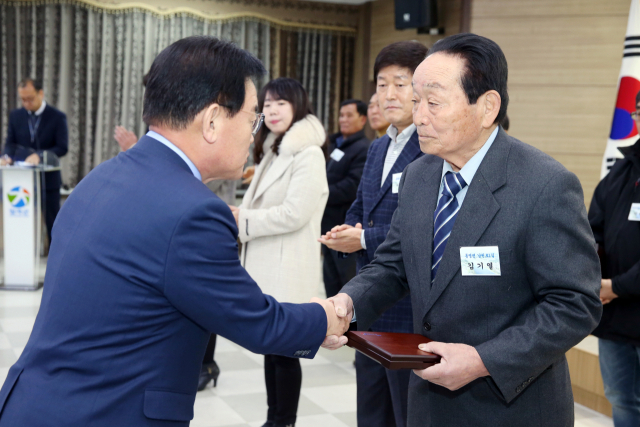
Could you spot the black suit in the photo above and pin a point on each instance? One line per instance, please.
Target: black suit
(343, 177)
(50, 135)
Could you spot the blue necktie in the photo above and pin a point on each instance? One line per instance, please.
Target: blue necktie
(444, 217)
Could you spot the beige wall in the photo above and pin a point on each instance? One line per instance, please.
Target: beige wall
(564, 58)
(383, 30)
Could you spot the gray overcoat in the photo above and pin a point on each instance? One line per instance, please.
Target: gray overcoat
(522, 322)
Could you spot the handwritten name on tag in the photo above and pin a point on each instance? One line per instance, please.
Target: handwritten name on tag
(634, 213)
(337, 154)
(395, 182)
(480, 261)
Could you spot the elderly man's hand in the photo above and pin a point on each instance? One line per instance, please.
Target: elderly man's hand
(459, 365)
(343, 306)
(343, 238)
(33, 159)
(606, 291)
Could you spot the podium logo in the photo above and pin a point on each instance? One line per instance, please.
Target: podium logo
(18, 197)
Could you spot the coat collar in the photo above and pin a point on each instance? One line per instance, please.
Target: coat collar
(632, 150)
(302, 134)
(154, 148)
(632, 153)
(44, 108)
(348, 141)
(477, 211)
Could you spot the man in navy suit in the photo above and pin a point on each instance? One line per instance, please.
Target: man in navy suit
(383, 393)
(33, 130)
(129, 304)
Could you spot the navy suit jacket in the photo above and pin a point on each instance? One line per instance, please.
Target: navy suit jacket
(374, 208)
(51, 135)
(144, 266)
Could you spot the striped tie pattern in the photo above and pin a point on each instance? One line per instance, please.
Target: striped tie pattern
(444, 217)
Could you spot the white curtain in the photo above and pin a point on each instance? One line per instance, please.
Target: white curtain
(92, 62)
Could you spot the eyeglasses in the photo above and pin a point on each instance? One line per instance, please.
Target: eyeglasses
(635, 115)
(255, 124)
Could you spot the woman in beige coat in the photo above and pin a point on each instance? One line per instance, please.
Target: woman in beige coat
(279, 222)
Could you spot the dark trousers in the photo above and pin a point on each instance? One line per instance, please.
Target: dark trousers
(283, 377)
(382, 394)
(337, 271)
(211, 349)
(50, 208)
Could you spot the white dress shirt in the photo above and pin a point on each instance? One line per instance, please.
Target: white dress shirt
(469, 170)
(41, 109)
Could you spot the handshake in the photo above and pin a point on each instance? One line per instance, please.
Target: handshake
(339, 311)
(460, 363)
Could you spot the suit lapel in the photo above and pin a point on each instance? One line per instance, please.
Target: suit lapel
(372, 180)
(379, 166)
(478, 210)
(423, 239)
(409, 153)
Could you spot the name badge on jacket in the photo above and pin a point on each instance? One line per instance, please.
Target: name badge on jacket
(395, 182)
(480, 261)
(634, 213)
(337, 154)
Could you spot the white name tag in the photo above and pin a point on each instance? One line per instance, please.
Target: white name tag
(337, 154)
(634, 213)
(480, 261)
(395, 182)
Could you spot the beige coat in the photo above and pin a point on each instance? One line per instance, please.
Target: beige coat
(281, 212)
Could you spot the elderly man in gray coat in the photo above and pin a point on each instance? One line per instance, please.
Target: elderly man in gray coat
(491, 240)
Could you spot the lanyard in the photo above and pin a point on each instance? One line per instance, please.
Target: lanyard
(33, 127)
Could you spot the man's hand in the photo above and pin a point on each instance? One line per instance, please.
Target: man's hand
(247, 175)
(5, 160)
(33, 159)
(236, 213)
(343, 306)
(460, 364)
(343, 238)
(126, 139)
(606, 291)
(336, 325)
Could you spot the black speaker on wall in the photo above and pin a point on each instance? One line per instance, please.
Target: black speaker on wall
(416, 14)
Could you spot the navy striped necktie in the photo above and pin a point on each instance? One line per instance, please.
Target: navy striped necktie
(444, 217)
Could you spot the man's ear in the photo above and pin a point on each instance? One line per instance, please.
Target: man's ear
(212, 123)
(490, 103)
(363, 120)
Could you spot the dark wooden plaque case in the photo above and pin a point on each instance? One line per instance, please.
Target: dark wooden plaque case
(393, 350)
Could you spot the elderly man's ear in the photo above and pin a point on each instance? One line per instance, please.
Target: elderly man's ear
(491, 102)
(212, 123)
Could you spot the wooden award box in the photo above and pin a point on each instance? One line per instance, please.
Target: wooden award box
(393, 350)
